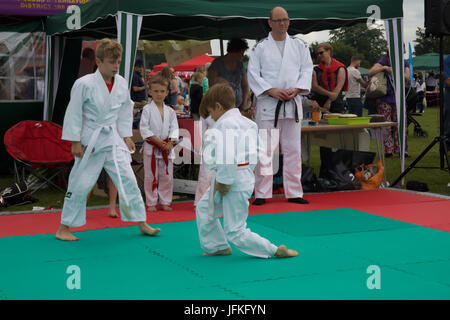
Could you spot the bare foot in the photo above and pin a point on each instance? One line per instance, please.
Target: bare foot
(225, 252)
(113, 213)
(151, 208)
(147, 230)
(166, 208)
(284, 252)
(64, 234)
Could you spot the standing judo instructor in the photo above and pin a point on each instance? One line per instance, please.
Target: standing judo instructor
(98, 121)
(279, 70)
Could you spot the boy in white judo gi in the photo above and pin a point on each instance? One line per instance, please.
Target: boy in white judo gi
(230, 149)
(98, 121)
(159, 129)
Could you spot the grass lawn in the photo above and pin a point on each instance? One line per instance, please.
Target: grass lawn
(436, 179)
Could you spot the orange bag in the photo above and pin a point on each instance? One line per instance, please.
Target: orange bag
(366, 179)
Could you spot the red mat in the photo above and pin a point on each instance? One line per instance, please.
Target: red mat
(427, 211)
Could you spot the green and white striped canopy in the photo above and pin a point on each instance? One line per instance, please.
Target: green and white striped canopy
(130, 20)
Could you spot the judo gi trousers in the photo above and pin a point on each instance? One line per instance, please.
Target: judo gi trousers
(203, 182)
(74, 209)
(290, 143)
(164, 190)
(234, 208)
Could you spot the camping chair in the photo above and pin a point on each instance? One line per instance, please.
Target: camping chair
(38, 150)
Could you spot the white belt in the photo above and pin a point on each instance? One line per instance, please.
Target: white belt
(214, 196)
(90, 147)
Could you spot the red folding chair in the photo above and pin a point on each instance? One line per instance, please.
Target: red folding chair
(38, 144)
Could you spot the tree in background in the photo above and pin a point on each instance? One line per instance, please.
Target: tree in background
(341, 52)
(429, 44)
(370, 44)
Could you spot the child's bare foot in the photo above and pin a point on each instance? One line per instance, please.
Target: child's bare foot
(147, 230)
(151, 208)
(113, 213)
(64, 234)
(225, 252)
(166, 208)
(284, 252)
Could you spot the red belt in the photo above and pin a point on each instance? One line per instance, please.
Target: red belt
(243, 164)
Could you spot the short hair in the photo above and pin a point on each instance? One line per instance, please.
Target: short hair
(273, 9)
(327, 46)
(236, 45)
(355, 58)
(158, 79)
(219, 93)
(200, 69)
(198, 76)
(108, 48)
(138, 63)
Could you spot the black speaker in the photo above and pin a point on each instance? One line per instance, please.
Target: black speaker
(437, 17)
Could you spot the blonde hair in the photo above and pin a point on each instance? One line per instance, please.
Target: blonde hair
(219, 93)
(198, 76)
(201, 69)
(108, 48)
(326, 46)
(159, 79)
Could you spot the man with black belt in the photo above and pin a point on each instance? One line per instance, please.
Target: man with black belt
(279, 69)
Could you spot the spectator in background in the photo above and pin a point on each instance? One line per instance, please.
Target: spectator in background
(387, 107)
(353, 95)
(231, 69)
(205, 82)
(138, 92)
(447, 99)
(329, 80)
(420, 90)
(171, 98)
(87, 63)
(431, 82)
(196, 94)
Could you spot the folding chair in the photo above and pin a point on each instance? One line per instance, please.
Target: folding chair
(38, 144)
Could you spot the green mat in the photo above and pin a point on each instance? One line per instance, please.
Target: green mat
(336, 247)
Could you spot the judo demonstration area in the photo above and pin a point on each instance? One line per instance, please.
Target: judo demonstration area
(378, 244)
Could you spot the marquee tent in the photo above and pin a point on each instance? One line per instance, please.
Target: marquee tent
(130, 20)
(428, 61)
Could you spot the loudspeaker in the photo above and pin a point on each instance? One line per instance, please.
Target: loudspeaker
(437, 17)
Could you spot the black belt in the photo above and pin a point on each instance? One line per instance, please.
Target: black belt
(278, 108)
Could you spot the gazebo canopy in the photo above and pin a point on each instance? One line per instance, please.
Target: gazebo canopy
(219, 19)
(428, 61)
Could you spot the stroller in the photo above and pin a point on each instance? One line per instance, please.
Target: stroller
(411, 101)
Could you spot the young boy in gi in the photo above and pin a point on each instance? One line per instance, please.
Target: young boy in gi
(230, 149)
(98, 121)
(159, 129)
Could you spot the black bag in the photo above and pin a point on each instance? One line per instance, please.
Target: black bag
(417, 186)
(351, 159)
(344, 179)
(16, 194)
(309, 180)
